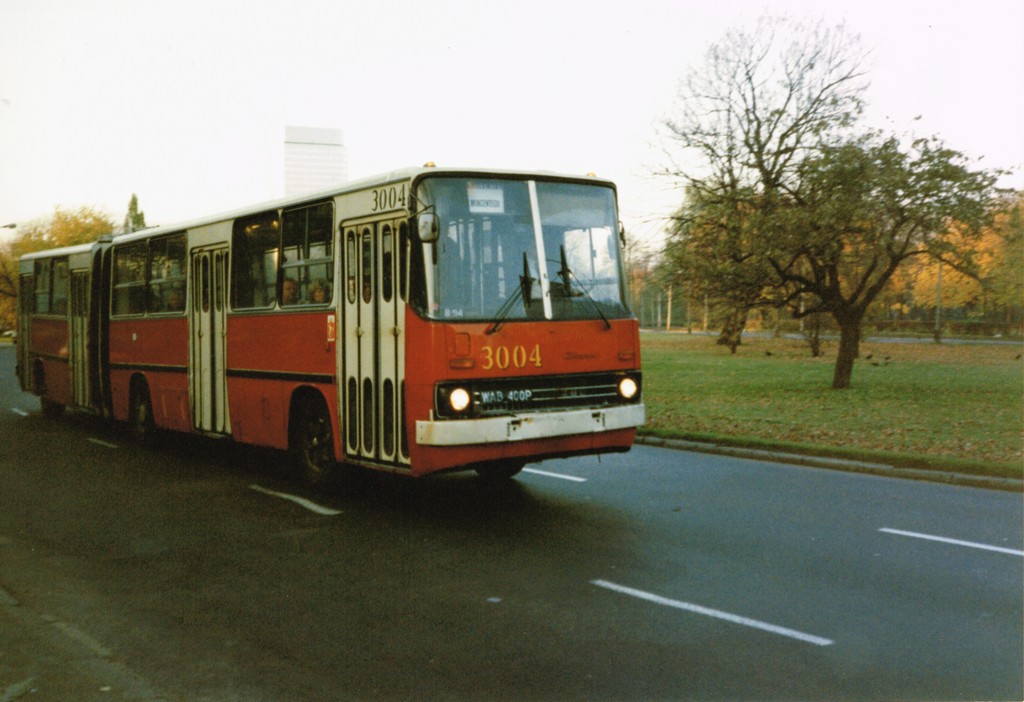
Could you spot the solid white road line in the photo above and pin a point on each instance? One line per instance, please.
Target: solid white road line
(573, 478)
(100, 442)
(20, 412)
(725, 616)
(311, 506)
(955, 542)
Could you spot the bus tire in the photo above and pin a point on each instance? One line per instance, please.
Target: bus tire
(312, 442)
(499, 471)
(51, 409)
(140, 413)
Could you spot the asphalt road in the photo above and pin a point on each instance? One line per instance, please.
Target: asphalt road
(195, 571)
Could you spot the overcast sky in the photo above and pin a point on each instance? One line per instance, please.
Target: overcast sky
(185, 102)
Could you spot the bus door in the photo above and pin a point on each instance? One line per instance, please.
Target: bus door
(79, 342)
(207, 325)
(374, 341)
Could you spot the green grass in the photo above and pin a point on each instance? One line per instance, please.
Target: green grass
(942, 406)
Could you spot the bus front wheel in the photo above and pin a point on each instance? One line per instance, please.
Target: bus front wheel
(313, 443)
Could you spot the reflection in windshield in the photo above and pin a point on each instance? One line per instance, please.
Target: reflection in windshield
(512, 249)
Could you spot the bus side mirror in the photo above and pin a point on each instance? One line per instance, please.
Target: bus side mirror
(429, 227)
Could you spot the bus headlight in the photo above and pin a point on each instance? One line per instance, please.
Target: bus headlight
(459, 399)
(627, 388)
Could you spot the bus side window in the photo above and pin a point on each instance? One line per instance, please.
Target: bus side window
(307, 254)
(351, 265)
(387, 286)
(367, 264)
(130, 279)
(26, 295)
(61, 283)
(167, 273)
(42, 291)
(255, 252)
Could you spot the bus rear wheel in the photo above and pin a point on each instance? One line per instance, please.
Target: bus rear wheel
(312, 443)
(140, 414)
(51, 409)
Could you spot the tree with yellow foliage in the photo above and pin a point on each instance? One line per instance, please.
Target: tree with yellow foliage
(1005, 281)
(67, 227)
(986, 282)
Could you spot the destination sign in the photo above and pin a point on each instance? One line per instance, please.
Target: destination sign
(485, 198)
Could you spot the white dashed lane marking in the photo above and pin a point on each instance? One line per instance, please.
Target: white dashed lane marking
(301, 501)
(955, 542)
(560, 476)
(714, 613)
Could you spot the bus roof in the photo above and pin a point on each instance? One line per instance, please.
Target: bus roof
(396, 176)
(53, 253)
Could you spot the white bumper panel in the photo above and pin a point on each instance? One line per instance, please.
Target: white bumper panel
(544, 425)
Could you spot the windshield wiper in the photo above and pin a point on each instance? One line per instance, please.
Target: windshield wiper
(566, 274)
(524, 292)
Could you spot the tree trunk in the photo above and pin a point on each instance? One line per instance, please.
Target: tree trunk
(668, 314)
(732, 330)
(812, 333)
(849, 350)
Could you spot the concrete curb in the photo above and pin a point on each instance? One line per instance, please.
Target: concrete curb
(882, 469)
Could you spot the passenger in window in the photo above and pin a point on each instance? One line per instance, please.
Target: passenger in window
(289, 292)
(319, 292)
(175, 301)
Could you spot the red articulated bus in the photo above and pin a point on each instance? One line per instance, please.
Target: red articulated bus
(421, 321)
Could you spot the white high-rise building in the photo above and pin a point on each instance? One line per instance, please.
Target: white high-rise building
(314, 159)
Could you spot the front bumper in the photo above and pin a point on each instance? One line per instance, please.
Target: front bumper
(527, 426)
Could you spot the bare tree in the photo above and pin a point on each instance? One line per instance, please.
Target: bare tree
(786, 201)
(763, 101)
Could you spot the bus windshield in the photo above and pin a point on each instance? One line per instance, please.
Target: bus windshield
(523, 249)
